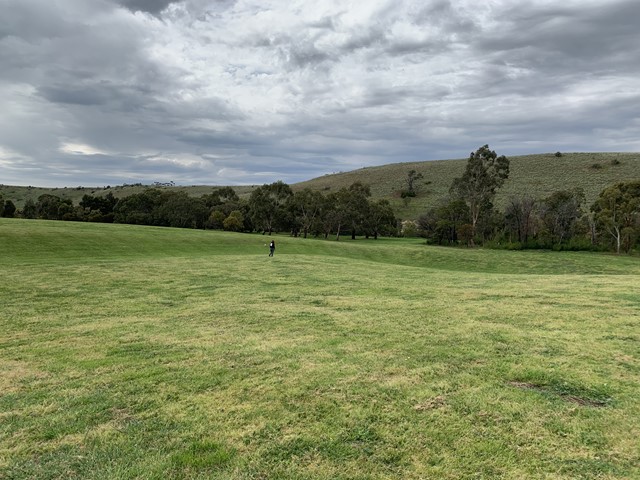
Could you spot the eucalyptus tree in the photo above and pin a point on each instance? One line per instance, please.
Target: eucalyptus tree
(139, 208)
(29, 210)
(484, 173)
(520, 217)
(329, 217)
(306, 207)
(178, 209)
(443, 223)
(9, 209)
(617, 212)
(381, 218)
(267, 206)
(357, 206)
(412, 177)
(560, 213)
(339, 213)
(52, 207)
(98, 208)
(234, 222)
(224, 199)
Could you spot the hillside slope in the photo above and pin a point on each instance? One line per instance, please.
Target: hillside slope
(535, 175)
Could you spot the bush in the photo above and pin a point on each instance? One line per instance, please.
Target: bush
(465, 233)
(216, 219)
(9, 209)
(576, 245)
(498, 245)
(234, 222)
(409, 229)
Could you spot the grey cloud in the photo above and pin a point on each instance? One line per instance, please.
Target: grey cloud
(406, 47)
(22, 21)
(99, 94)
(208, 139)
(443, 16)
(150, 6)
(56, 49)
(301, 56)
(398, 97)
(439, 9)
(365, 38)
(535, 51)
(325, 23)
(293, 52)
(568, 39)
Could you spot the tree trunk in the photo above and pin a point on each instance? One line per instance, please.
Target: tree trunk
(593, 232)
(473, 232)
(475, 214)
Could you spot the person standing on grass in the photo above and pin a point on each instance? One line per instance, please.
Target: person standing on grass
(272, 248)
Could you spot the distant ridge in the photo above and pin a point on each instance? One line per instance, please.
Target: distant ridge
(536, 175)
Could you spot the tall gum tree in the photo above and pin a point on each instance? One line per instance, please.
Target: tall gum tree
(267, 203)
(484, 173)
(306, 206)
(617, 212)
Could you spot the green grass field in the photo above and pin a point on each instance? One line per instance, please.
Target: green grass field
(140, 352)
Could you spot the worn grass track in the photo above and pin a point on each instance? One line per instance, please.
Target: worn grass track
(137, 352)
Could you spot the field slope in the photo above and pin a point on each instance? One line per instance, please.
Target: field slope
(140, 352)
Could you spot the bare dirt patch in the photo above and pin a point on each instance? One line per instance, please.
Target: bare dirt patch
(431, 404)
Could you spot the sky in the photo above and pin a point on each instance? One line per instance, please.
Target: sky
(232, 92)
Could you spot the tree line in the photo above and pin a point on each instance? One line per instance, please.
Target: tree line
(561, 221)
(270, 208)
(468, 216)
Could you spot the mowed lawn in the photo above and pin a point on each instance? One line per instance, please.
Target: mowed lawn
(139, 352)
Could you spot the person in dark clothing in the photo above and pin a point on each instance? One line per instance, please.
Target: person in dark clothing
(272, 248)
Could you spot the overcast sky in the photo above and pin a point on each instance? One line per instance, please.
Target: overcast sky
(224, 92)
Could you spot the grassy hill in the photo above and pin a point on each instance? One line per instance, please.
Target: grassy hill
(142, 352)
(536, 175)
